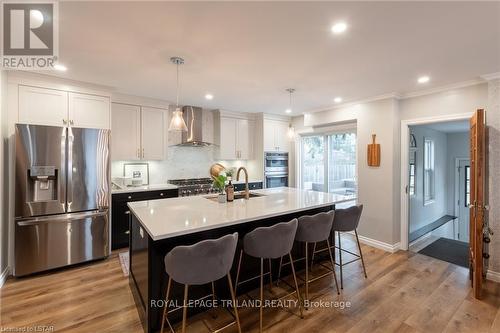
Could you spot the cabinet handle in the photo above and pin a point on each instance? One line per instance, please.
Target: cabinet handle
(142, 152)
(65, 121)
(127, 232)
(161, 194)
(130, 197)
(71, 122)
(127, 212)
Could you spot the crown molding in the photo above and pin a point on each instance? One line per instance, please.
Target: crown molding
(491, 76)
(393, 95)
(447, 87)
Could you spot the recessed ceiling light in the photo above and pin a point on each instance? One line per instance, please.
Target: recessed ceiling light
(339, 28)
(288, 110)
(337, 99)
(61, 68)
(423, 79)
(209, 96)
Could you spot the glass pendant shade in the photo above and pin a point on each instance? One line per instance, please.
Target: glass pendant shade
(177, 123)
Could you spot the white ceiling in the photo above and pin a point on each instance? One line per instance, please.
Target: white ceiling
(247, 54)
(450, 126)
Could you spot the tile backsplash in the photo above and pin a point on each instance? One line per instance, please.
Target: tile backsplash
(182, 162)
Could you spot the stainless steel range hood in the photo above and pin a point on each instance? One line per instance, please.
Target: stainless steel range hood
(193, 116)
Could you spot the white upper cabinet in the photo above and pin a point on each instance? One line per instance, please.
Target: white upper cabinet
(52, 107)
(228, 138)
(89, 111)
(235, 138)
(125, 132)
(153, 133)
(276, 135)
(40, 106)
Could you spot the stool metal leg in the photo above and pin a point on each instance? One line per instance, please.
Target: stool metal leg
(214, 315)
(279, 272)
(333, 265)
(360, 253)
(235, 305)
(307, 273)
(165, 307)
(238, 272)
(184, 309)
(340, 262)
(270, 276)
(296, 285)
(261, 292)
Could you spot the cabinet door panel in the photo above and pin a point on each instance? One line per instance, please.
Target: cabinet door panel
(89, 111)
(228, 138)
(243, 143)
(282, 141)
(42, 106)
(125, 132)
(153, 133)
(269, 135)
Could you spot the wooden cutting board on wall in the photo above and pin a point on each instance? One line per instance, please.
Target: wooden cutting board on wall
(374, 153)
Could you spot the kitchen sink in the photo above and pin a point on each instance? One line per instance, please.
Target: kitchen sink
(238, 195)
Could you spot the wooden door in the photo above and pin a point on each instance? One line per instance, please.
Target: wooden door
(125, 132)
(89, 111)
(40, 106)
(477, 181)
(153, 133)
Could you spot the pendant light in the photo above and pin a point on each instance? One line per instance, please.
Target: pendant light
(291, 130)
(177, 123)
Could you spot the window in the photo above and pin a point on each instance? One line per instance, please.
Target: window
(429, 172)
(413, 184)
(313, 165)
(328, 163)
(467, 186)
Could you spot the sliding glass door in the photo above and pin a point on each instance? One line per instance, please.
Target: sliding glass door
(328, 163)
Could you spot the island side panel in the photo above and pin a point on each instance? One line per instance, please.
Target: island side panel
(156, 251)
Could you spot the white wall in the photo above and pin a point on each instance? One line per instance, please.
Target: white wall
(420, 214)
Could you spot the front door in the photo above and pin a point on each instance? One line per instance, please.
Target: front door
(477, 206)
(463, 201)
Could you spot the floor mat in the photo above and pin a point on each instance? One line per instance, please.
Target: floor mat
(449, 250)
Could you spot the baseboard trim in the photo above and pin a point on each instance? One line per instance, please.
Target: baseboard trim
(380, 245)
(4, 276)
(493, 276)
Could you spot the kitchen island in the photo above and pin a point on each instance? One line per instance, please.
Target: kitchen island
(157, 226)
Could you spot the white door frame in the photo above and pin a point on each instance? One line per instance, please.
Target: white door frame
(456, 185)
(405, 147)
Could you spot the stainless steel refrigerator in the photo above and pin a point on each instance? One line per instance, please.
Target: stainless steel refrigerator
(62, 197)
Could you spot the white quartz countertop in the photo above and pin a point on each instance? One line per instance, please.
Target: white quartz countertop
(154, 187)
(165, 218)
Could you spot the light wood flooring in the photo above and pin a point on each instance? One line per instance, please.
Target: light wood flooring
(404, 292)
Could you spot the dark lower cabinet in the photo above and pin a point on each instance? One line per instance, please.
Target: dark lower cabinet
(120, 213)
(251, 186)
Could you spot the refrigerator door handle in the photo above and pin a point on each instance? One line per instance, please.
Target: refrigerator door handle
(64, 170)
(60, 218)
(69, 173)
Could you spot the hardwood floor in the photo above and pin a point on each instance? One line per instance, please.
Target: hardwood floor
(404, 292)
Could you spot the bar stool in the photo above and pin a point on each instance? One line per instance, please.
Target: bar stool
(347, 220)
(270, 243)
(202, 263)
(314, 229)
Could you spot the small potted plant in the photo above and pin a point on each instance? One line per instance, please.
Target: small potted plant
(220, 185)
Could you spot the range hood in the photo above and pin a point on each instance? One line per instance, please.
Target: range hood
(193, 116)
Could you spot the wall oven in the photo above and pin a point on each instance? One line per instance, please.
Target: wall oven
(276, 169)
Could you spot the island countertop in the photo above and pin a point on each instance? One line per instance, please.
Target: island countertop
(172, 217)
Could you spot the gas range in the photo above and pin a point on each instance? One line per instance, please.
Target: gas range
(193, 186)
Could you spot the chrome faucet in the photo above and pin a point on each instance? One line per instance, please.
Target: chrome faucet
(247, 192)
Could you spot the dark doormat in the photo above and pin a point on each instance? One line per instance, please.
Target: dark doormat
(449, 250)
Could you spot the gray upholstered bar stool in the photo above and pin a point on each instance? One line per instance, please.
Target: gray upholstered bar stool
(314, 229)
(347, 220)
(270, 243)
(202, 263)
